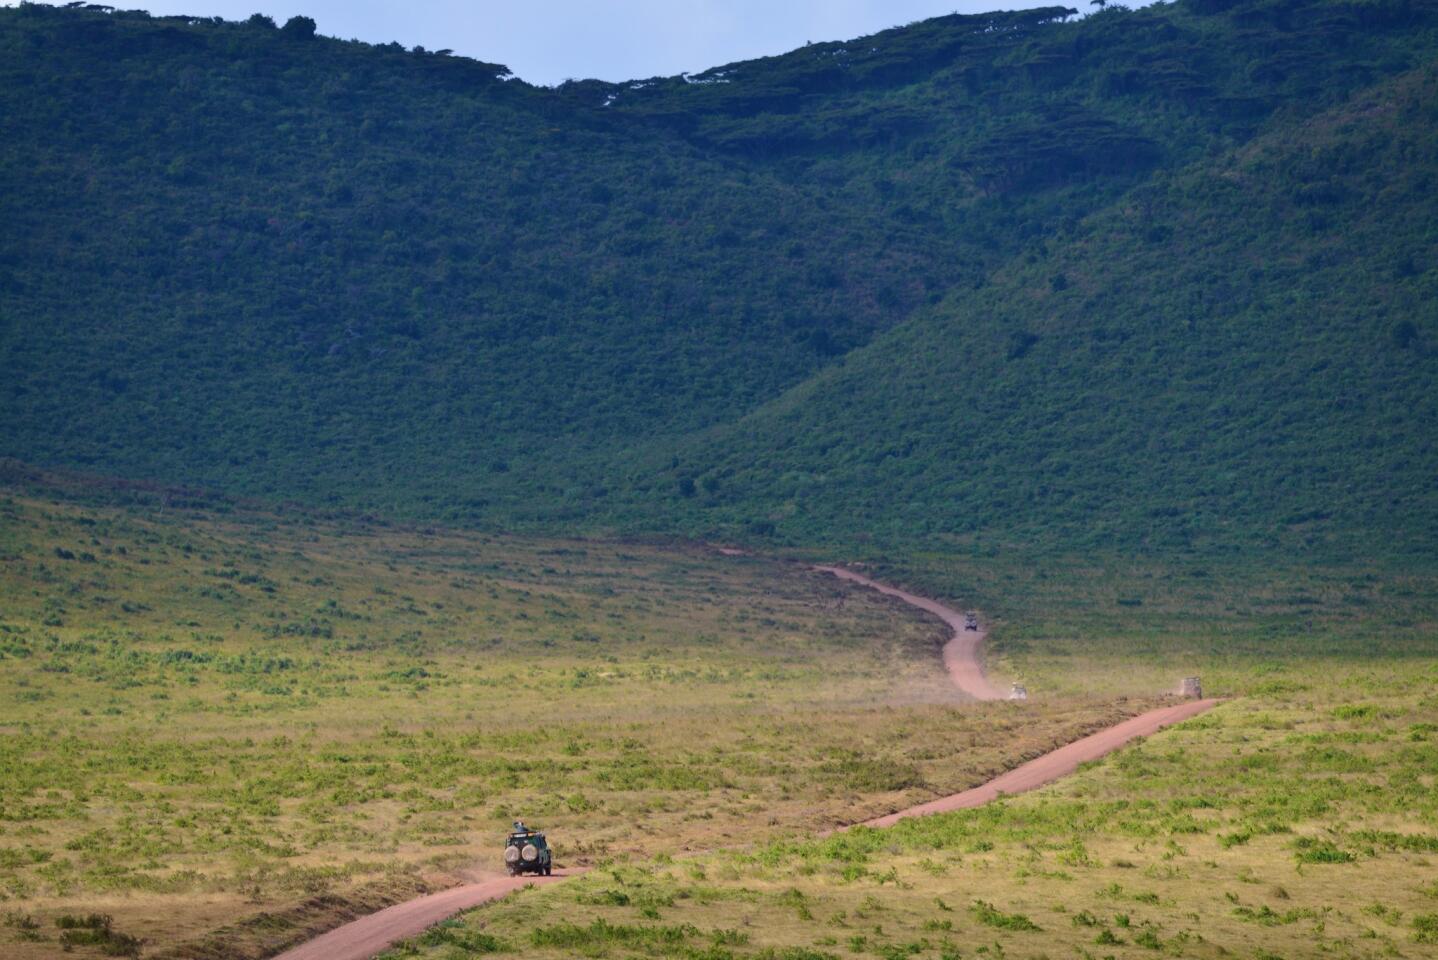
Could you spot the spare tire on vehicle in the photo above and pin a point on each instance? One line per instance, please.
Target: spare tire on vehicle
(527, 851)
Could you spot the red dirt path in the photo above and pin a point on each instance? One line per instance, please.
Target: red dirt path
(1055, 764)
(367, 936)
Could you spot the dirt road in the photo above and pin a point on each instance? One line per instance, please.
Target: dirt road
(961, 653)
(1056, 764)
(367, 936)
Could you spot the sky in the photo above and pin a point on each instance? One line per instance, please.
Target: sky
(549, 41)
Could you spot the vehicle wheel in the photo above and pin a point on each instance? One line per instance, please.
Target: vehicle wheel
(548, 869)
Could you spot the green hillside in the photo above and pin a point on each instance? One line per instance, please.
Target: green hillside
(1241, 352)
(1148, 278)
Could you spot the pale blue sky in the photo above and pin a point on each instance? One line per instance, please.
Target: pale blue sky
(546, 41)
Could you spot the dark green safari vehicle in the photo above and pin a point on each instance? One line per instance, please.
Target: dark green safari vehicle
(527, 851)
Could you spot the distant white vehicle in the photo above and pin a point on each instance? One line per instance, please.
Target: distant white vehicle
(971, 621)
(1018, 692)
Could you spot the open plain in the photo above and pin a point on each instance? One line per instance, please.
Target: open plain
(259, 723)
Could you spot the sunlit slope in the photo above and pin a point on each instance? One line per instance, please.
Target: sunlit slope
(1242, 352)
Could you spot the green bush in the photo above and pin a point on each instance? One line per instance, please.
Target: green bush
(991, 916)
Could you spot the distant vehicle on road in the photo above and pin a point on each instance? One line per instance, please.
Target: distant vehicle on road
(971, 621)
(527, 851)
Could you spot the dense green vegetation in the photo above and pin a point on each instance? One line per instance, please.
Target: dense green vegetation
(1241, 353)
(1150, 279)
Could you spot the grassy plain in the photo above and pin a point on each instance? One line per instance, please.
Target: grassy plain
(1298, 819)
(216, 719)
(1298, 823)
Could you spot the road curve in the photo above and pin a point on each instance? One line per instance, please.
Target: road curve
(961, 653)
(368, 936)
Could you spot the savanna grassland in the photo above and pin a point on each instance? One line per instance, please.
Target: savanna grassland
(1112, 624)
(213, 713)
(1297, 819)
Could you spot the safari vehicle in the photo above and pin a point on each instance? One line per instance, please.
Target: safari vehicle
(527, 851)
(971, 621)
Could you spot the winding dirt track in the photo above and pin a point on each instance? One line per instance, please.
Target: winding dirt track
(961, 653)
(368, 936)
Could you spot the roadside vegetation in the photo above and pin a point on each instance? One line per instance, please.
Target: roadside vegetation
(221, 718)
